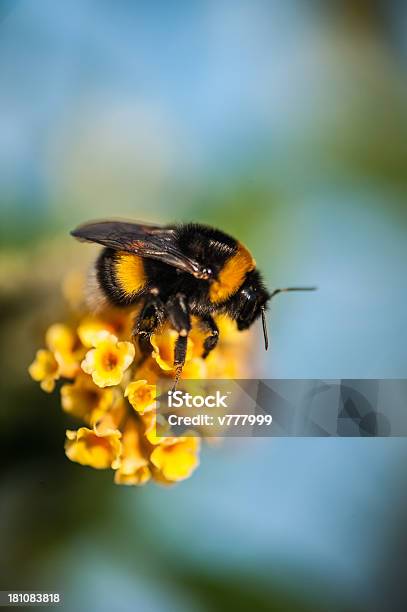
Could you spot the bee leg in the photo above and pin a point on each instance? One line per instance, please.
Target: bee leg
(178, 313)
(150, 318)
(212, 340)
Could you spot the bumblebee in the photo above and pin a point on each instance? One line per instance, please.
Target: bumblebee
(176, 271)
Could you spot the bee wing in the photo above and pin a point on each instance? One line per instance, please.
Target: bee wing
(150, 241)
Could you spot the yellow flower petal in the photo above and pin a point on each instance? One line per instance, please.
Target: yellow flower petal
(111, 419)
(69, 363)
(141, 396)
(107, 362)
(62, 341)
(90, 329)
(195, 369)
(134, 469)
(154, 427)
(176, 458)
(60, 337)
(149, 370)
(85, 400)
(45, 370)
(228, 331)
(86, 447)
(136, 477)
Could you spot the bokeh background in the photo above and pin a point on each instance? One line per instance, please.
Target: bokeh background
(283, 122)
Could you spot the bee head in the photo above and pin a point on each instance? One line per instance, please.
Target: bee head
(249, 303)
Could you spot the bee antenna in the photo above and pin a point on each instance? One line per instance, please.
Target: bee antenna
(292, 289)
(265, 333)
(263, 313)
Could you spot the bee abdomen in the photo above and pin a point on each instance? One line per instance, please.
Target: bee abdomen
(121, 276)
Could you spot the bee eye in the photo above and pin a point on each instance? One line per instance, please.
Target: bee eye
(248, 303)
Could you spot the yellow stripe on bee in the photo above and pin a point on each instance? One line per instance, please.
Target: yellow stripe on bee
(232, 275)
(129, 271)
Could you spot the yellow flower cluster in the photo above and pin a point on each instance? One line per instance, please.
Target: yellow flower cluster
(107, 387)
